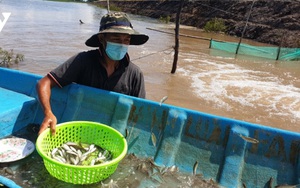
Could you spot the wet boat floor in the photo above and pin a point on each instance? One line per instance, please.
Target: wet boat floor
(132, 172)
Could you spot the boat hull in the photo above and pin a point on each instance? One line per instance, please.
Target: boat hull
(225, 149)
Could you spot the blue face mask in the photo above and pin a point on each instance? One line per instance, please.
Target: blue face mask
(116, 51)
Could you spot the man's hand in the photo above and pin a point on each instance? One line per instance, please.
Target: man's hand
(44, 92)
(49, 122)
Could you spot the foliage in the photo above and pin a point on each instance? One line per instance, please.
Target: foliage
(80, 1)
(112, 7)
(165, 19)
(215, 25)
(7, 58)
(68, 0)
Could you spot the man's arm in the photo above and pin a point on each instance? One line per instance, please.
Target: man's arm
(44, 87)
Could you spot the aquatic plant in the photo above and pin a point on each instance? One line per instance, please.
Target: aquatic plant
(8, 58)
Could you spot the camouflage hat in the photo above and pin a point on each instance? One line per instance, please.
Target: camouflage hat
(117, 22)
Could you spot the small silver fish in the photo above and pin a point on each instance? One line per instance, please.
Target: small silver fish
(73, 149)
(111, 184)
(81, 154)
(60, 159)
(270, 182)
(83, 157)
(75, 160)
(71, 143)
(163, 100)
(173, 168)
(153, 138)
(195, 168)
(249, 139)
(93, 162)
(126, 133)
(61, 153)
(53, 152)
(66, 147)
(71, 152)
(8, 171)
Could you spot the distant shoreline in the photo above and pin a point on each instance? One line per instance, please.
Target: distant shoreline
(276, 23)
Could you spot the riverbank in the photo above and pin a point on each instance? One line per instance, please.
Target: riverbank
(272, 22)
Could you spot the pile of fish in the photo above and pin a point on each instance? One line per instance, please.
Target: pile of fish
(81, 154)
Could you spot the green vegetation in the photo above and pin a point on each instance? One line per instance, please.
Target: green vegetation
(83, 1)
(215, 25)
(7, 58)
(112, 7)
(164, 19)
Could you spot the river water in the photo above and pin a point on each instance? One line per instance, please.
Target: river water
(251, 89)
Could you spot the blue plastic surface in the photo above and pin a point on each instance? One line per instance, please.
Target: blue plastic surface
(183, 136)
(8, 182)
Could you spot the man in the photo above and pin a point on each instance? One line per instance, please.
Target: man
(107, 67)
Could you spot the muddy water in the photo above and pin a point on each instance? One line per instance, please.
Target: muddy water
(246, 88)
(242, 87)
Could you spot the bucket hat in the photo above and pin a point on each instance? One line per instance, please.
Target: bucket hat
(117, 22)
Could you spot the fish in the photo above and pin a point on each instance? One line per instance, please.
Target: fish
(60, 159)
(249, 139)
(173, 169)
(53, 152)
(270, 183)
(8, 171)
(66, 147)
(163, 100)
(111, 184)
(126, 133)
(80, 154)
(153, 138)
(195, 168)
(170, 169)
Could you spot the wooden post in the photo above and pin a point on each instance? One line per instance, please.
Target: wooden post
(279, 48)
(177, 38)
(238, 46)
(108, 9)
(210, 42)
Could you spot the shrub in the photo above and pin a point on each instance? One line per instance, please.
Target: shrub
(164, 19)
(215, 25)
(7, 58)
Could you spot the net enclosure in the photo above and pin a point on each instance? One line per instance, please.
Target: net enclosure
(277, 53)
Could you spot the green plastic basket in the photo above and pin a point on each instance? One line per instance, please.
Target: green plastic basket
(85, 132)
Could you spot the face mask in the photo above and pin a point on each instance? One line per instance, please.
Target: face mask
(116, 51)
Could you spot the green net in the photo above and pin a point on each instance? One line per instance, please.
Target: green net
(277, 53)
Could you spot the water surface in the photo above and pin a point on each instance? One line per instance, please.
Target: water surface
(242, 87)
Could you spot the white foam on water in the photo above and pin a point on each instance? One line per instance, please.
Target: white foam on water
(228, 85)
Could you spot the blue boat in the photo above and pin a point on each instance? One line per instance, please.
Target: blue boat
(231, 152)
